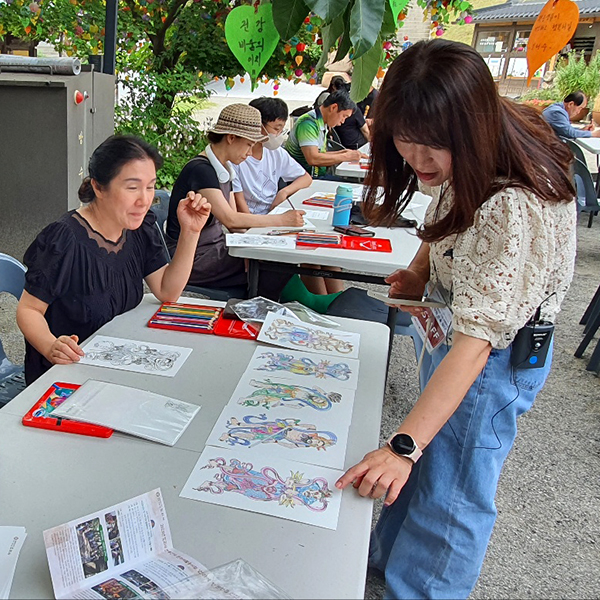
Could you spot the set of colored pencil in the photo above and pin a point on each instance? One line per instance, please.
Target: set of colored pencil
(319, 239)
(321, 200)
(186, 316)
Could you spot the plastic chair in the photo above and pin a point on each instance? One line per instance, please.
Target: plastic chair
(576, 150)
(12, 378)
(587, 200)
(161, 211)
(161, 208)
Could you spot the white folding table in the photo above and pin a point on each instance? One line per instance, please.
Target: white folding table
(353, 170)
(356, 265)
(48, 478)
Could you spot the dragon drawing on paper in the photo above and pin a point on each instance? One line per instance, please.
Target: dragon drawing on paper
(272, 393)
(282, 331)
(130, 353)
(266, 485)
(290, 433)
(304, 366)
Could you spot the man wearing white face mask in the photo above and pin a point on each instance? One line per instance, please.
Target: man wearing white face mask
(256, 186)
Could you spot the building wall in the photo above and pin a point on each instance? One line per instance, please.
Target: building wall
(414, 27)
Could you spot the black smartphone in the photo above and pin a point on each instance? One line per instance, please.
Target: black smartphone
(354, 230)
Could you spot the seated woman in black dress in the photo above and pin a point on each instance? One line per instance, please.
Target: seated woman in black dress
(231, 140)
(89, 266)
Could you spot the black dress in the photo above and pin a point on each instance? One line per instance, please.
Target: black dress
(86, 279)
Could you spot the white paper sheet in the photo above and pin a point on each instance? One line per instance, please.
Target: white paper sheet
(267, 485)
(317, 215)
(283, 332)
(238, 240)
(309, 437)
(133, 355)
(268, 393)
(125, 551)
(304, 366)
(11, 542)
(131, 410)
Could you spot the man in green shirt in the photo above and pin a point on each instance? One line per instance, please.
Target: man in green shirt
(307, 142)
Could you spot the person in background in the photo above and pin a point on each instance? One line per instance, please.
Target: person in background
(211, 174)
(307, 142)
(498, 248)
(258, 176)
(559, 116)
(354, 131)
(90, 265)
(337, 83)
(257, 181)
(366, 106)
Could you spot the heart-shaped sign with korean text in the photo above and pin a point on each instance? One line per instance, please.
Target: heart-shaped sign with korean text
(397, 7)
(551, 31)
(251, 36)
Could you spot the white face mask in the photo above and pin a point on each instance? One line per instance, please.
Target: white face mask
(274, 141)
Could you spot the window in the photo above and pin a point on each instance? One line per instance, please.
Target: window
(490, 42)
(521, 41)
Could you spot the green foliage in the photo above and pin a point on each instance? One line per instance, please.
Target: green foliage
(361, 27)
(573, 73)
(550, 94)
(166, 124)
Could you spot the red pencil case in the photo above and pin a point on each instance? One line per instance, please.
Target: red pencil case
(349, 242)
(40, 414)
(207, 319)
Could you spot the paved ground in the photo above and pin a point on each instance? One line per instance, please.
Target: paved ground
(545, 544)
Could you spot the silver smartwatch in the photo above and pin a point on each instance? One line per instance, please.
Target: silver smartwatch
(403, 444)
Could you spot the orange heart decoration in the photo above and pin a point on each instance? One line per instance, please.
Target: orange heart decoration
(551, 31)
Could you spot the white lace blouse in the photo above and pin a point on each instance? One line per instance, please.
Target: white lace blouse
(517, 253)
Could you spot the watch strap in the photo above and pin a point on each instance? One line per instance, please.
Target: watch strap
(413, 456)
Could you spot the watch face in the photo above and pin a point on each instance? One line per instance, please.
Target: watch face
(402, 444)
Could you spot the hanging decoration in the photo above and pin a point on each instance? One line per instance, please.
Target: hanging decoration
(252, 37)
(551, 31)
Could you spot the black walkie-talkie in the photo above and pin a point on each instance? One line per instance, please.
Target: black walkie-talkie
(530, 346)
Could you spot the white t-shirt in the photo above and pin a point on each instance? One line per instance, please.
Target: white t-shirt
(258, 179)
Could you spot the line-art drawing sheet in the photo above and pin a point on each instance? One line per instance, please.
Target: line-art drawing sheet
(309, 437)
(132, 355)
(297, 335)
(267, 485)
(303, 367)
(317, 215)
(272, 394)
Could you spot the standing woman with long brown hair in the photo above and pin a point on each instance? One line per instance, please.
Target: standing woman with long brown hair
(498, 245)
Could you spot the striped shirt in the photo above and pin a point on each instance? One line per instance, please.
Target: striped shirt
(310, 130)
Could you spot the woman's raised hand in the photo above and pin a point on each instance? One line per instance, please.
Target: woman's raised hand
(193, 212)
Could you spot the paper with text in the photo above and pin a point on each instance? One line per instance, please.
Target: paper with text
(125, 551)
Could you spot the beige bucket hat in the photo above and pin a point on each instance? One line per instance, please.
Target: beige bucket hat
(241, 120)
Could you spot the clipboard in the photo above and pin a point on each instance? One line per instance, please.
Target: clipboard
(40, 414)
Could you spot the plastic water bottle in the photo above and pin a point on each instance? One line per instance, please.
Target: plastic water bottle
(342, 205)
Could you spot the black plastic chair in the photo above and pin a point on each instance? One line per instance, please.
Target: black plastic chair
(161, 211)
(576, 150)
(12, 378)
(591, 320)
(585, 190)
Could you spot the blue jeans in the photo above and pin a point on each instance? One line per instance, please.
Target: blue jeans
(431, 542)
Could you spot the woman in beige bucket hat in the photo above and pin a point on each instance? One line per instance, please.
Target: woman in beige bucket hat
(237, 129)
